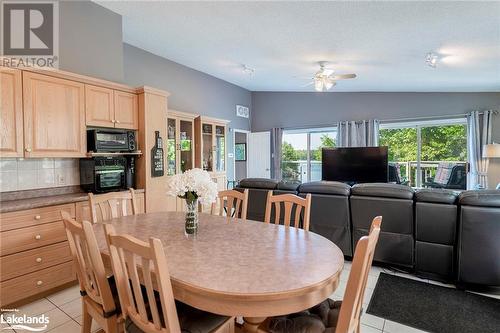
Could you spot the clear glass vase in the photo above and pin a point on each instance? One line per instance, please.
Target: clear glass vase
(191, 227)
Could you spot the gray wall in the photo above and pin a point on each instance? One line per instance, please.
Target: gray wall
(191, 90)
(90, 40)
(299, 110)
(289, 110)
(240, 167)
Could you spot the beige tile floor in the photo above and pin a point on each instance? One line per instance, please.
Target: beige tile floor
(64, 307)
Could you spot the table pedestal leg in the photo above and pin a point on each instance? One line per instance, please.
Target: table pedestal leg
(251, 324)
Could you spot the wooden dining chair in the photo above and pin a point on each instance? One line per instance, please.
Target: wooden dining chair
(99, 297)
(229, 200)
(111, 205)
(347, 311)
(289, 201)
(146, 295)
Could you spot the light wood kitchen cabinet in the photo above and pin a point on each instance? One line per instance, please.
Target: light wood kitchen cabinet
(180, 142)
(211, 150)
(99, 106)
(126, 110)
(34, 252)
(54, 116)
(211, 147)
(106, 107)
(11, 113)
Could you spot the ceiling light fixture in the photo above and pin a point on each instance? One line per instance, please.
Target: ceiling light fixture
(431, 59)
(248, 70)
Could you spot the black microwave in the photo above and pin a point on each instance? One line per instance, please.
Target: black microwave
(101, 140)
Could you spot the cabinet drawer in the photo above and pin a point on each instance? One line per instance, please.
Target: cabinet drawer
(26, 218)
(31, 284)
(23, 239)
(25, 262)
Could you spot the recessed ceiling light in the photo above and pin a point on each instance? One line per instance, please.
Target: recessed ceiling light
(431, 59)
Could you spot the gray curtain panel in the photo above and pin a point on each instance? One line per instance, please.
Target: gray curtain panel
(479, 128)
(276, 138)
(358, 133)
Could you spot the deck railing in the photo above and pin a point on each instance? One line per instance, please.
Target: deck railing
(297, 170)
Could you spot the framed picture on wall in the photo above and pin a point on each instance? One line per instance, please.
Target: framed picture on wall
(240, 151)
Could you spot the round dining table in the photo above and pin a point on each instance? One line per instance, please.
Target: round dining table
(237, 267)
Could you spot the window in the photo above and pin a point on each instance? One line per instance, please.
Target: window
(301, 153)
(428, 153)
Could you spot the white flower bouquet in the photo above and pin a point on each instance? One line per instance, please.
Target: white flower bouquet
(192, 185)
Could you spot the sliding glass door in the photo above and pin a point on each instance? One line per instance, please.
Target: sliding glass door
(428, 153)
(301, 153)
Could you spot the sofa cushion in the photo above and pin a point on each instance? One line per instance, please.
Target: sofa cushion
(484, 198)
(261, 183)
(325, 187)
(436, 196)
(383, 190)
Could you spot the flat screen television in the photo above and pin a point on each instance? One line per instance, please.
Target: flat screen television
(355, 164)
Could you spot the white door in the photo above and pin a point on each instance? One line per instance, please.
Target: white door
(259, 155)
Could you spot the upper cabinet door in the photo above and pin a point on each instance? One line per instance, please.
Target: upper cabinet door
(11, 113)
(99, 106)
(54, 117)
(126, 110)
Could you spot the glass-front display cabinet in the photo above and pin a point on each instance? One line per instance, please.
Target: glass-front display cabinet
(211, 149)
(180, 142)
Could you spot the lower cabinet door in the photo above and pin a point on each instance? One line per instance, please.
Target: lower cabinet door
(21, 287)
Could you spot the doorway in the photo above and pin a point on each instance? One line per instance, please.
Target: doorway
(240, 153)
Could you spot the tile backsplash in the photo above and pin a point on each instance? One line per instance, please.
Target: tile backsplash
(24, 174)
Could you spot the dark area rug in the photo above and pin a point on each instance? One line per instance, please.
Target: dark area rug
(433, 308)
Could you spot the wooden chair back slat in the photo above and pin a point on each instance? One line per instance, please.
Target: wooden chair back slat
(350, 311)
(105, 206)
(88, 262)
(302, 209)
(232, 199)
(142, 263)
(277, 212)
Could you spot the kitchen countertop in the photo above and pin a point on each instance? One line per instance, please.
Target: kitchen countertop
(14, 201)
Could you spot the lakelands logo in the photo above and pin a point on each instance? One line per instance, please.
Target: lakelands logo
(30, 34)
(23, 322)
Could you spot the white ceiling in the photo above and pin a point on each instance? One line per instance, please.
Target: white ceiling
(384, 43)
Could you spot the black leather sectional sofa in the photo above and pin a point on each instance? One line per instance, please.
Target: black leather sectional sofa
(437, 234)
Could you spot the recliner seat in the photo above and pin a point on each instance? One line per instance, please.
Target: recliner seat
(330, 215)
(435, 233)
(479, 238)
(395, 203)
(257, 195)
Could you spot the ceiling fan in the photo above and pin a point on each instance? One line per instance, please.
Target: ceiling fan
(325, 79)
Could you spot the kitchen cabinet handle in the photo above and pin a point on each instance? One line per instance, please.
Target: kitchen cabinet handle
(39, 282)
(28, 150)
(38, 237)
(117, 121)
(37, 217)
(38, 259)
(113, 121)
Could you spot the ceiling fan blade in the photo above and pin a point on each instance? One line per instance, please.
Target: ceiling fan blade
(342, 77)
